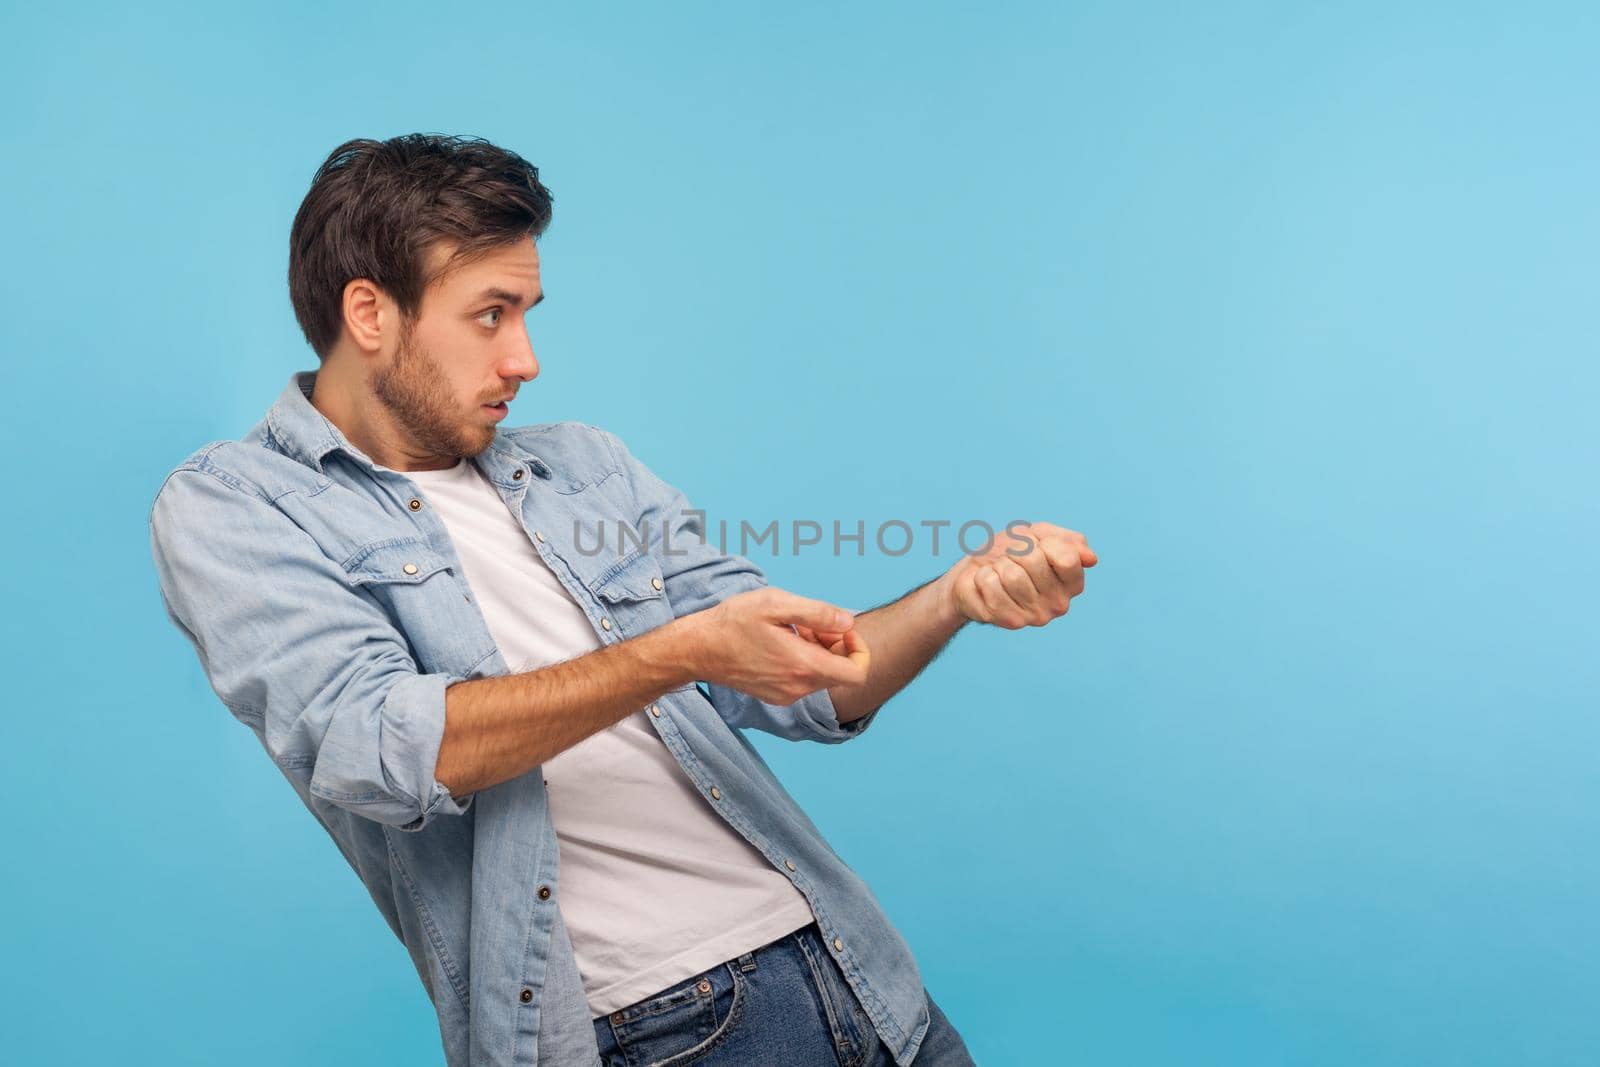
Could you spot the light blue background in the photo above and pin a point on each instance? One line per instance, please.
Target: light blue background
(1289, 309)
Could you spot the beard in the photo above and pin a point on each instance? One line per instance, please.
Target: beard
(415, 390)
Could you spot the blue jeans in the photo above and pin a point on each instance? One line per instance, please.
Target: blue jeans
(785, 1004)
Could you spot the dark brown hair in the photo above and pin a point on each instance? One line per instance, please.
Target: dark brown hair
(375, 208)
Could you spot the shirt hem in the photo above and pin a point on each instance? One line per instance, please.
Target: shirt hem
(703, 956)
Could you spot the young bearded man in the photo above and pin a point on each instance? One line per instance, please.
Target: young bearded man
(530, 750)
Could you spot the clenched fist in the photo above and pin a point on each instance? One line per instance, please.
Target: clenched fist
(1026, 576)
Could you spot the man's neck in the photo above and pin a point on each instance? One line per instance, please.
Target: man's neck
(339, 392)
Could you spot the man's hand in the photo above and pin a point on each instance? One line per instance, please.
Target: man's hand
(753, 642)
(849, 643)
(1026, 576)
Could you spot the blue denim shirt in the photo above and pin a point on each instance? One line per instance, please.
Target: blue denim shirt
(330, 612)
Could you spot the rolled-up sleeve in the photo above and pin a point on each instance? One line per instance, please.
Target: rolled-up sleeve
(300, 654)
(698, 574)
(811, 718)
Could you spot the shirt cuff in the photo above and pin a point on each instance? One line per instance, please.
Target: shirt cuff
(412, 731)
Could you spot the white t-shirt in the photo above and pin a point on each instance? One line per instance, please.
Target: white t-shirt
(655, 885)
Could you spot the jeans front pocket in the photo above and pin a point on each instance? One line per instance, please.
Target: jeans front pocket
(683, 1023)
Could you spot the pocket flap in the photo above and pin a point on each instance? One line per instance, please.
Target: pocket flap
(406, 560)
(634, 577)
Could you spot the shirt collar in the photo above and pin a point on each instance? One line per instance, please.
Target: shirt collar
(303, 432)
(307, 435)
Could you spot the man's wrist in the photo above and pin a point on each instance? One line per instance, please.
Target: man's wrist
(947, 609)
(677, 652)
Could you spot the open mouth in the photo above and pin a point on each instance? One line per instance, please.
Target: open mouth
(499, 410)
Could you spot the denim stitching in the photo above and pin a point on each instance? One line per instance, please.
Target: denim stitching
(866, 991)
(683, 993)
(843, 1047)
(718, 1036)
(435, 937)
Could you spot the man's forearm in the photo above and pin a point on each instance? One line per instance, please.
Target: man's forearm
(497, 728)
(904, 637)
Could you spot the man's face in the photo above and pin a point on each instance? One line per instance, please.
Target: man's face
(467, 348)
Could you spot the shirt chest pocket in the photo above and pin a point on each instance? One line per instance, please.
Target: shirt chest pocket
(426, 600)
(632, 593)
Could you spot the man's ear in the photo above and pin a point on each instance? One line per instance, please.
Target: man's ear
(364, 311)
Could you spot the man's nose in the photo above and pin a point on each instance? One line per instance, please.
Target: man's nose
(524, 364)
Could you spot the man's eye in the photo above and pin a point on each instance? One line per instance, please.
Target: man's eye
(492, 311)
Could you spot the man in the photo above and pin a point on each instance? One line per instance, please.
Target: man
(531, 750)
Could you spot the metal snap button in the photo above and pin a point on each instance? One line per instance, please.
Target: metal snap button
(716, 794)
(789, 864)
(704, 986)
(516, 475)
(544, 892)
(410, 568)
(416, 505)
(616, 1016)
(838, 945)
(539, 536)
(605, 624)
(527, 995)
(655, 711)
(656, 582)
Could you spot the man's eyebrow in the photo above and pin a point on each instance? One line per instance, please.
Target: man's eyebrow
(505, 296)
